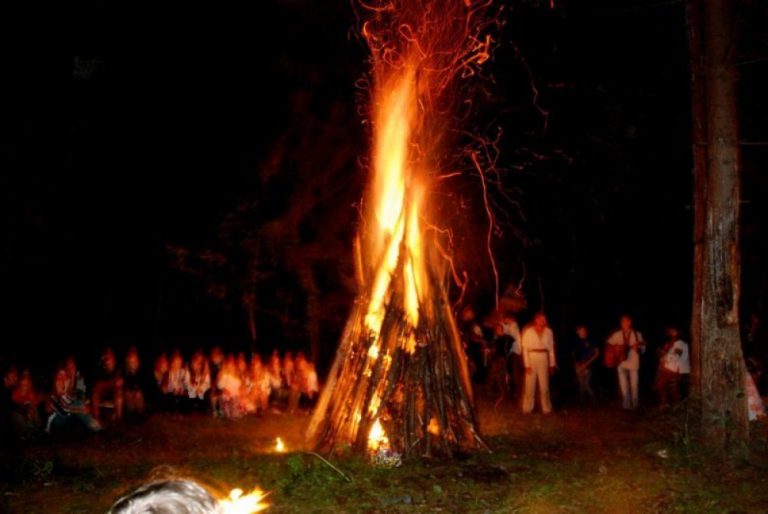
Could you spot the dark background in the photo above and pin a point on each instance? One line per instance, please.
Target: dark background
(139, 148)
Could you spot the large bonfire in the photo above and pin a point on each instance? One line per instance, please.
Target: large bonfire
(400, 377)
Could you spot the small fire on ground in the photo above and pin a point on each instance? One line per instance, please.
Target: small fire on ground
(377, 438)
(238, 502)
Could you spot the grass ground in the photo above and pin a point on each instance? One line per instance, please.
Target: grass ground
(579, 460)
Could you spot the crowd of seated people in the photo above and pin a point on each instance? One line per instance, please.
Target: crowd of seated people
(219, 384)
(26, 411)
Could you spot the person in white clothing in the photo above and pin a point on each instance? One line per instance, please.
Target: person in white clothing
(632, 343)
(538, 346)
(177, 377)
(175, 383)
(674, 363)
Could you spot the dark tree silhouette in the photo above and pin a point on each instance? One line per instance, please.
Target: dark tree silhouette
(719, 373)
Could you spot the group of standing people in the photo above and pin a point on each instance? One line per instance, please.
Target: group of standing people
(528, 358)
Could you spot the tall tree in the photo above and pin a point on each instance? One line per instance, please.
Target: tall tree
(719, 372)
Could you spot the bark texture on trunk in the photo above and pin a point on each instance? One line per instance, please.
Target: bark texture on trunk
(721, 376)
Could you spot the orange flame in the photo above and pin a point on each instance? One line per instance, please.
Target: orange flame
(397, 201)
(238, 502)
(377, 438)
(415, 56)
(421, 50)
(433, 427)
(279, 446)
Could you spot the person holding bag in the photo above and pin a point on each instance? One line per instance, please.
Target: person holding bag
(629, 344)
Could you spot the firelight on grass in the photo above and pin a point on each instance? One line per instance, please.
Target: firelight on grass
(238, 502)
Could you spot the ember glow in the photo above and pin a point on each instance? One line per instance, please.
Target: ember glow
(400, 355)
(377, 439)
(238, 502)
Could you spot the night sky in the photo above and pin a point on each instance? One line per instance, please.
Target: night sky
(128, 133)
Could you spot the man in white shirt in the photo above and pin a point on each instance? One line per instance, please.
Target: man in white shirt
(674, 364)
(538, 346)
(629, 369)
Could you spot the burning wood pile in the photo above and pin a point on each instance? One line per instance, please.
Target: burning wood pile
(400, 381)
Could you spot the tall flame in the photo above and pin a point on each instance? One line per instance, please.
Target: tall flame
(397, 194)
(402, 333)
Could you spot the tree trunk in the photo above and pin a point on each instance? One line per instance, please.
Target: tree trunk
(725, 425)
